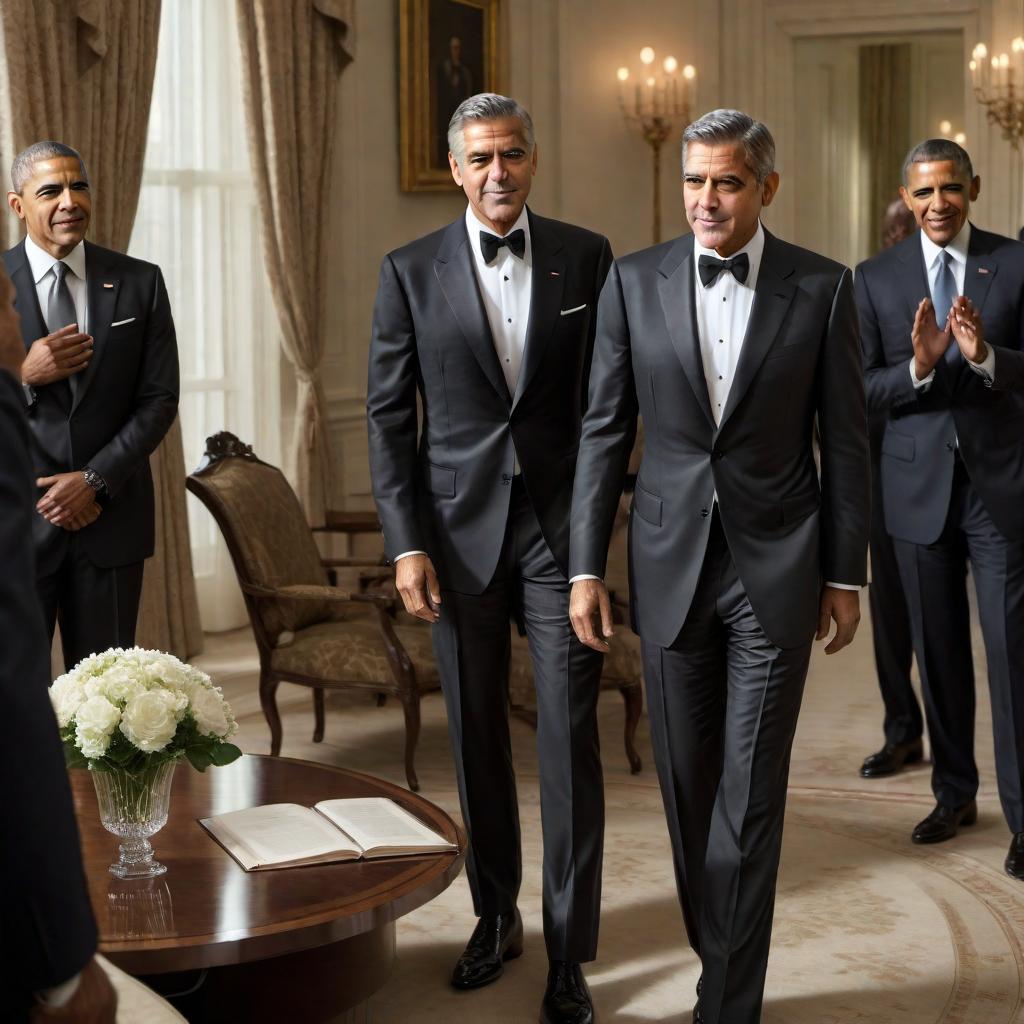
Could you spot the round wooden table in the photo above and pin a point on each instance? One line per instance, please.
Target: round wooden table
(302, 943)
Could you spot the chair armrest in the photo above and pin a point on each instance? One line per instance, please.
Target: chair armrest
(349, 521)
(301, 592)
(351, 563)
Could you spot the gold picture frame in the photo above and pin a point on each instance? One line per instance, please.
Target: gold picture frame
(448, 51)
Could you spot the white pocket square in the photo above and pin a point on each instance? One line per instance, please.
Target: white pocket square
(575, 309)
(121, 323)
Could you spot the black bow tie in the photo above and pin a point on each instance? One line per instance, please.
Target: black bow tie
(490, 244)
(709, 268)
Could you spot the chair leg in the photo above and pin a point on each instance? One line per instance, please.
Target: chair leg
(268, 701)
(382, 699)
(633, 697)
(318, 714)
(411, 707)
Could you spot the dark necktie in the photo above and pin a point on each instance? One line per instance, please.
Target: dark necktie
(60, 310)
(945, 290)
(709, 268)
(490, 244)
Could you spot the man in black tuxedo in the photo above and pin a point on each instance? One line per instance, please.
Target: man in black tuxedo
(730, 343)
(100, 380)
(47, 931)
(890, 617)
(490, 322)
(942, 326)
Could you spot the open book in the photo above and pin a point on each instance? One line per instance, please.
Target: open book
(286, 835)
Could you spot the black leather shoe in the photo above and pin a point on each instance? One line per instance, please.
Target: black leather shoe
(567, 998)
(1015, 858)
(891, 758)
(943, 823)
(494, 940)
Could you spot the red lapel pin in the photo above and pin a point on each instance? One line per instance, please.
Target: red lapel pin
(554, 273)
(105, 285)
(982, 270)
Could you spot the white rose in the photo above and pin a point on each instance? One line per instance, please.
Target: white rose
(150, 719)
(95, 720)
(210, 712)
(66, 696)
(118, 684)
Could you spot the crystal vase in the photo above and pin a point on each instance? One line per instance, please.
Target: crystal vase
(133, 806)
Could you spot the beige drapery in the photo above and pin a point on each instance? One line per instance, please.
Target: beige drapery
(81, 71)
(884, 127)
(292, 54)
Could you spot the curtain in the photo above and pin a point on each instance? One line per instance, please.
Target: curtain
(292, 54)
(81, 72)
(884, 127)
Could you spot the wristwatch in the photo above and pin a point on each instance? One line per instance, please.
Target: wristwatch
(93, 479)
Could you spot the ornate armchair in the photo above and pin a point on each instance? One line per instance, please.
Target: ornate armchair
(307, 631)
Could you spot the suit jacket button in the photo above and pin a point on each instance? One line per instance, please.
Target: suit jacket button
(950, 446)
(505, 478)
(716, 454)
(704, 513)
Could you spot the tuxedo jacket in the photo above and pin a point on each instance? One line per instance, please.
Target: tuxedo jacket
(924, 428)
(126, 400)
(787, 530)
(47, 932)
(443, 487)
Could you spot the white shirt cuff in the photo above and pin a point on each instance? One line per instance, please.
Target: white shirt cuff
(404, 553)
(584, 576)
(842, 586)
(920, 384)
(987, 367)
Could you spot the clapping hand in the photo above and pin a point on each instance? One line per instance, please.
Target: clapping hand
(929, 340)
(965, 322)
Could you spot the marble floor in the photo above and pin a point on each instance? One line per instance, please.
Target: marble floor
(869, 928)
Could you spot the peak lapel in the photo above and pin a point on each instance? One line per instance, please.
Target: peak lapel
(102, 302)
(26, 300)
(675, 289)
(453, 266)
(547, 284)
(773, 295)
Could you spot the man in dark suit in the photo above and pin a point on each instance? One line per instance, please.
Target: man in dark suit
(890, 617)
(100, 380)
(47, 931)
(490, 322)
(942, 325)
(730, 343)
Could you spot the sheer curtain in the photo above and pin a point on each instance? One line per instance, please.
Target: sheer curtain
(198, 219)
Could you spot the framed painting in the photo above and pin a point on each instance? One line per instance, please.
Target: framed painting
(448, 52)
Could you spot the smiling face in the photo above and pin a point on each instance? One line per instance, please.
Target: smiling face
(939, 196)
(722, 197)
(497, 170)
(54, 204)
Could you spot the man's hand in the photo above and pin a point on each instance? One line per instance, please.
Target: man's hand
(94, 1002)
(589, 601)
(67, 497)
(928, 340)
(842, 607)
(965, 322)
(57, 356)
(83, 519)
(416, 581)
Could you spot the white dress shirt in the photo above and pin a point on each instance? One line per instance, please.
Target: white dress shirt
(505, 287)
(957, 249)
(41, 264)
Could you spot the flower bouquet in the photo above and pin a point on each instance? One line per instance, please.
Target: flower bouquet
(129, 717)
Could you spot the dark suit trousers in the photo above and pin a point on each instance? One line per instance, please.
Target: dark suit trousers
(935, 581)
(890, 619)
(723, 703)
(96, 607)
(472, 645)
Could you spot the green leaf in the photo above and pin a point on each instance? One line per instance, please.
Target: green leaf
(225, 753)
(74, 758)
(199, 759)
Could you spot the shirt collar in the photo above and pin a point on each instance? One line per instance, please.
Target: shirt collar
(474, 226)
(754, 250)
(41, 262)
(956, 248)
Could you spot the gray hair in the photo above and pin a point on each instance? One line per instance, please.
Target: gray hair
(734, 126)
(485, 106)
(24, 163)
(939, 150)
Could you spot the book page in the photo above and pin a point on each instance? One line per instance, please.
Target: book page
(279, 833)
(377, 823)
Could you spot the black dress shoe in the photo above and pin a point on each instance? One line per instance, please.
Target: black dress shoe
(943, 822)
(494, 940)
(891, 758)
(567, 998)
(1015, 858)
